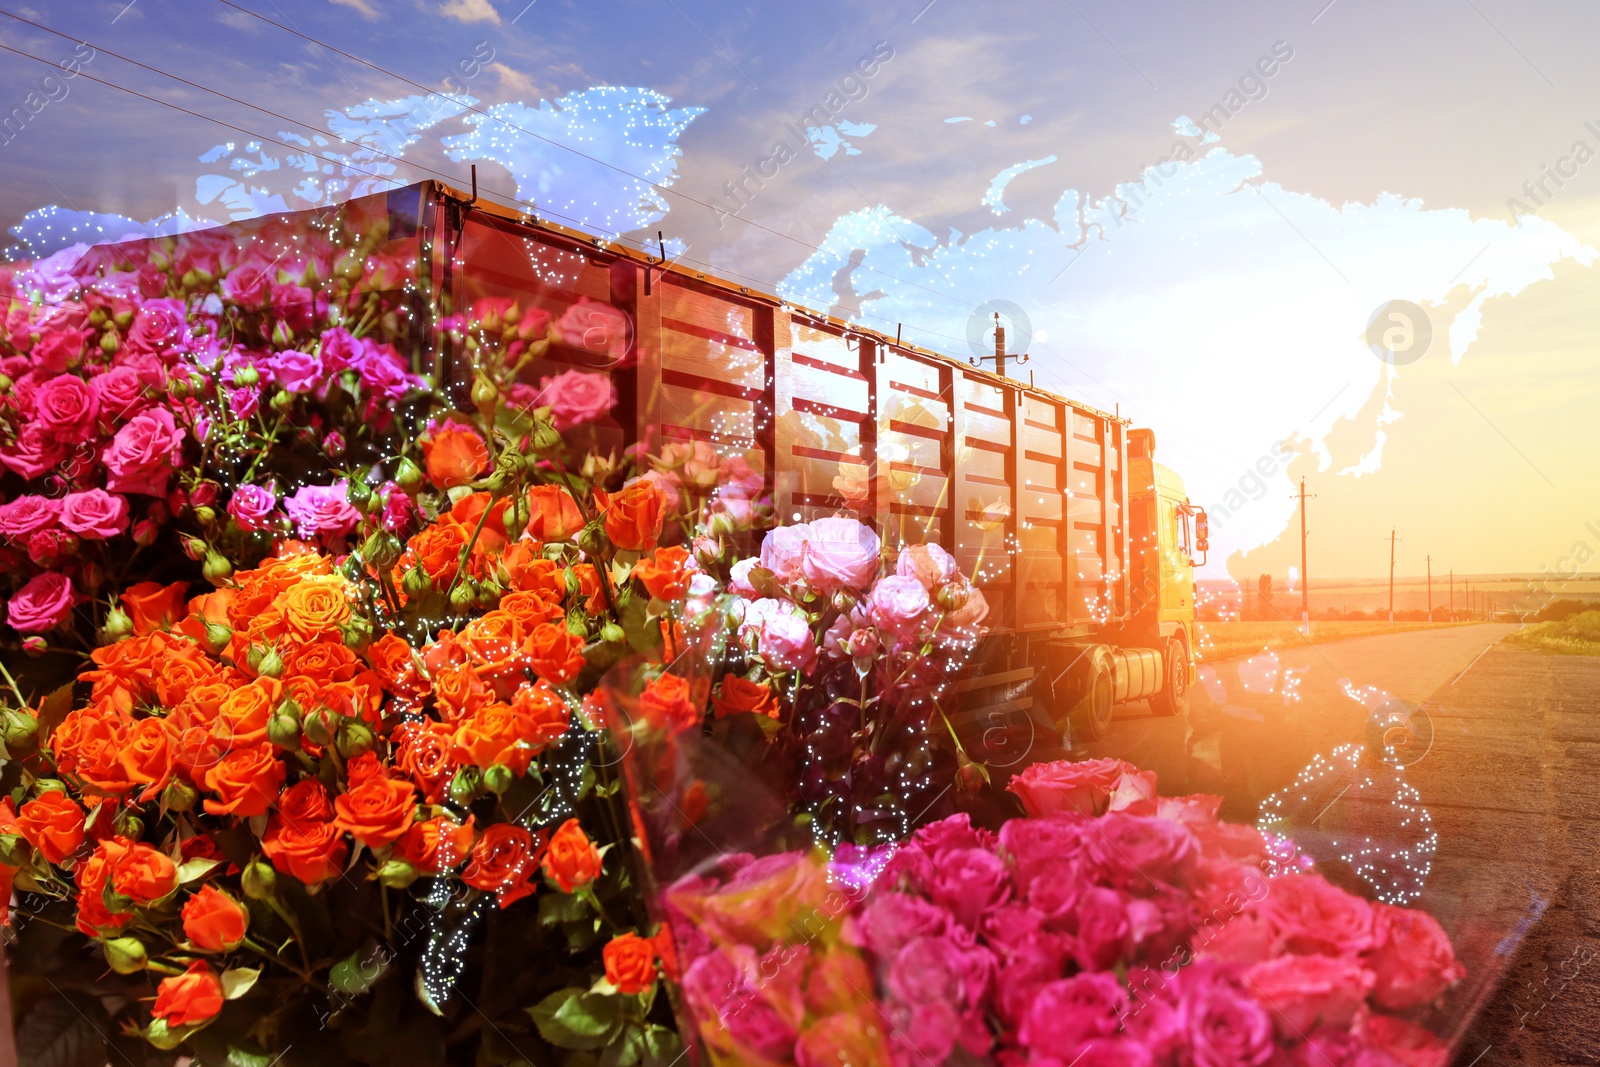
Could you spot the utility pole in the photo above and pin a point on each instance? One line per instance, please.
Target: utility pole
(1305, 577)
(1430, 587)
(1452, 594)
(1392, 540)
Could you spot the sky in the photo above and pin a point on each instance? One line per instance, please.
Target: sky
(1203, 216)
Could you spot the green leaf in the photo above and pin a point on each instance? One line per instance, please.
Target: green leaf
(626, 1052)
(560, 908)
(236, 981)
(572, 1018)
(196, 869)
(662, 1046)
(359, 971)
(239, 1057)
(52, 709)
(61, 1032)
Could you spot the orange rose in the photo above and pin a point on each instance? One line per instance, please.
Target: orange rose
(435, 846)
(495, 642)
(245, 781)
(310, 851)
(459, 692)
(554, 514)
(176, 675)
(213, 921)
(305, 802)
(146, 755)
(422, 750)
(741, 694)
(53, 825)
(153, 606)
(630, 962)
(454, 455)
(144, 874)
(589, 587)
(633, 516)
(88, 743)
(555, 653)
(470, 510)
(377, 811)
(668, 704)
(544, 714)
(328, 659)
(667, 950)
(190, 998)
(530, 607)
(571, 861)
(665, 574)
(317, 606)
(91, 876)
(242, 718)
(392, 659)
(493, 734)
(503, 862)
(438, 551)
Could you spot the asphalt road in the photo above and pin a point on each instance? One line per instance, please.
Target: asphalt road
(1502, 748)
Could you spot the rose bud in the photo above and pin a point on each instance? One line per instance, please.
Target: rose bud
(125, 955)
(283, 402)
(34, 645)
(953, 596)
(409, 476)
(612, 634)
(216, 568)
(128, 824)
(498, 778)
(218, 635)
(464, 787)
(246, 375)
(333, 445)
(359, 493)
(179, 796)
(283, 729)
(144, 533)
(415, 582)
(462, 597)
(320, 726)
(354, 738)
(117, 626)
(18, 729)
(397, 874)
(259, 881)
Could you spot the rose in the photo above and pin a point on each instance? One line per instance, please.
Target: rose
(781, 634)
(376, 812)
(596, 327)
(28, 514)
(1063, 785)
(897, 605)
(503, 862)
(245, 781)
(630, 962)
(571, 861)
(1133, 850)
(1304, 992)
(158, 325)
(435, 846)
(782, 551)
(943, 971)
(43, 604)
(1409, 1044)
(146, 755)
(665, 574)
(575, 397)
(555, 653)
(739, 578)
(153, 606)
(929, 564)
(493, 734)
(252, 507)
(1069, 1011)
(633, 516)
(53, 824)
(65, 406)
(1226, 1026)
(739, 695)
(1104, 931)
(92, 877)
(454, 454)
(1411, 958)
(841, 554)
(668, 704)
(213, 921)
(554, 515)
(309, 850)
(141, 457)
(968, 882)
(34, 452)
(144, 874)
(94, 515)
(59, 345)
(322, 511)
(190, 998)
(845, 1037)
(1313, 916)
(1035, 844)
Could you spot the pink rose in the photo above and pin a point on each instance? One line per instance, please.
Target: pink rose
(841, 554)
(43, 604)
(1304, 992)
(322, 511)
(66, 407)
(26, 514)
(383, 373)
(253, 507)
(1101, 1052)
(1069, 1011)
(782, 636)
(1244, 938)
(1227, 1027)
(1135, 793)
(891, 921)
(119, 393)
(142, 455)
(738, 478)
(248, 284)
(94, 514)
(1133, 850)
(35, 452)
(945, 971)
(897, 605)
(298, 372)
(1104, 934)
(1314, 916)
(339, 350)
(968, 882)
(1412, 959)
(929, 564)
(595, 327)
(1405, 1041)
(782, 550)
(158, 326)
(1085, 786)
(59, 345)
(739, 578)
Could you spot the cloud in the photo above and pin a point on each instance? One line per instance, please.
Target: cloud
(467, 10)
(515, 85)
(366, 9)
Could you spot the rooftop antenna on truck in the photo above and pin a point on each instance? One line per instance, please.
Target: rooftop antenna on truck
(999, 357)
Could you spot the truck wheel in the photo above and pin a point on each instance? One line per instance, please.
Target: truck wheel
(1174, 696)
(1091, 718)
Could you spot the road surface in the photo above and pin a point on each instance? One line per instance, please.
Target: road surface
(1502, 748)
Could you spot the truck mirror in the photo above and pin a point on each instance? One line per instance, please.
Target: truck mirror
(1202, 531)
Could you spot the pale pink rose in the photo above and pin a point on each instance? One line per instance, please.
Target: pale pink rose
(141, 458)
(94, 515)
(65, 405)
(595, 327)
(898, 605)
(841, 554)
(739, 577)
(575, 397)
(253, 507)
(928, 564)
(1304, 992)
(43, 604)
(782, 637)
(782, 550)
(27, 514)
(840, 640)
(322, 511)
(1412, 959)
(1135, 793)
(1246, 938)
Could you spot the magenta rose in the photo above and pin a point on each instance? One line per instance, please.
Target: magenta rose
(94, 514)
(339, 350)
(65, 405)
(1104, 933)
(575, 397)
(1033, 844)
(43, 604)
(898, 605)
(27, 514)
(119, 393)
(158, 326)
(1133, 850)
(59, 346)
(1412, 959)
(968, 882)
(141, 457)
(1055, 887)
(298, 372)
(782, 550)
(1315, 916)
(383, 374)
(253, 507)
(35, 451)
(1227, 1027)
(929, 564)
(1244, 938)
(893, 920)
(1304, 992)
(782, 637)
(1085, 786)
(1070, 1011)
(842, 554)
(322, 511)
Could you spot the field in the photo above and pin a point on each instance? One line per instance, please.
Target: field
(1222, 640)
(1577, 636)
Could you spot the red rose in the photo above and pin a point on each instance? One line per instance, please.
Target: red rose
(503, 862)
